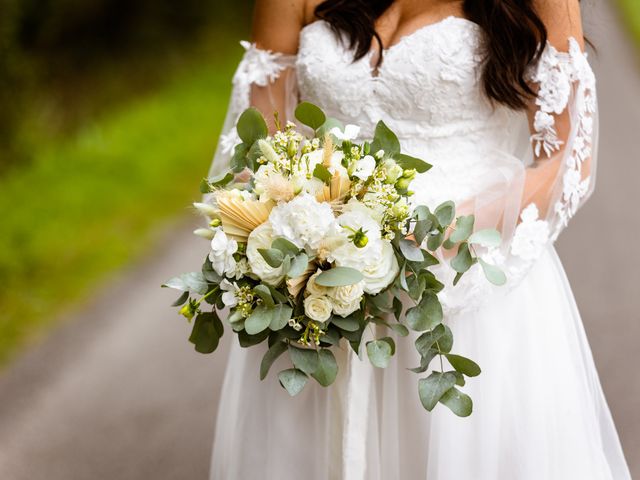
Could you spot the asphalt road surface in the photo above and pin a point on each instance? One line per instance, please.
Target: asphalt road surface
(118, 393)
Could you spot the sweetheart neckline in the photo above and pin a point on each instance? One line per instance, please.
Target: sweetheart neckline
(405, 38)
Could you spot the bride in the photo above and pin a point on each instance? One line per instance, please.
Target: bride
(499, 97)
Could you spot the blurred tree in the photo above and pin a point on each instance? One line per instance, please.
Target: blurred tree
(45, 44)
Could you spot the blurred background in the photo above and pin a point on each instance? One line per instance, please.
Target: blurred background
(109, 113)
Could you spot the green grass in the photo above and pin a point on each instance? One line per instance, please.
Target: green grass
(86, 205)
(631, 15)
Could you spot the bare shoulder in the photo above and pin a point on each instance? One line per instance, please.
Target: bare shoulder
(562, 19)
(277, 24)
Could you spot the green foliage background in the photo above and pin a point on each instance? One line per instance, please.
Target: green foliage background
(109, 115)
(631, 14)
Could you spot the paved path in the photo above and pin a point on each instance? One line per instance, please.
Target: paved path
(117, 393)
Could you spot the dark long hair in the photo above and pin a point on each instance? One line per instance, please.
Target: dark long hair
(513, 35)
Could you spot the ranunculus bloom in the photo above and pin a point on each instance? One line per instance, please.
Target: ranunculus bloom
(318, 307)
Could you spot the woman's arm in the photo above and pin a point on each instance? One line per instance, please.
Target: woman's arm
(276, 28)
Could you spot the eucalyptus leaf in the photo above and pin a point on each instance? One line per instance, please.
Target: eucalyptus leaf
(426, 315)
(239, 158)
(280, 316)
(272, 256)
(434, 241)
(350, 323)
(285, 246)
(304, 359)
(251, 126)
(428, 339)
(494, 274)
(463, 229)
(400, 329)
(310, 115)
(379, 352)
(397, 308)
(463, 365)
(264, 293)
(204, 335)
(272, 354)
(181, 300)
(410, 250)
(486, 238)
(208, 185)
(189, 282)
(259, 320)
(463, 260)
(293, 380)
(458, 402)
(339, 277)
(422, 229)
(425, 360)
(327, 369)
(445, 213)
(298, 265)
(432, 388)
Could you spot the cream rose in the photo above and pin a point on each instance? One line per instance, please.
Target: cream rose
(313, 288)
(262, 237)
(346, 309)
(377, 262)
(318, 307)
(347, 294)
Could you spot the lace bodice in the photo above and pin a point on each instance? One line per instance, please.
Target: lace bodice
(427, 87)
(524, 174)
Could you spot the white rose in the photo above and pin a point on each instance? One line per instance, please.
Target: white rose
(303, 221)
(356, 216)
(346, 309)
(262, 237)
(347, 294)
(365, 167)
(221, 255)
(377, 262)
(313, 288)
(318, 307)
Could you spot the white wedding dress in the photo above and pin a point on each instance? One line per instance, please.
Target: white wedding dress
(539, 411)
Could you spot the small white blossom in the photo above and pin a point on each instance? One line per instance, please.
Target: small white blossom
(365, 167)
(229, 297)
(351, 132)
(221, 255)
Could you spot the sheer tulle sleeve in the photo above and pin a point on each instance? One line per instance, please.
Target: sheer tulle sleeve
(265, 80)
(531, 194)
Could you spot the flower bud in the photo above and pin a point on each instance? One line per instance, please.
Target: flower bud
(204, 233)
(359, 238)
(403, 183)
(409, 173)
(379, 154)
(292, 148)
(188, 310)
(215, 223)
(393, 171)
(206, 209)
(268, 151)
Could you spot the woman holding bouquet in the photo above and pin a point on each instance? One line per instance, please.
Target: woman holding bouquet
(497, 95)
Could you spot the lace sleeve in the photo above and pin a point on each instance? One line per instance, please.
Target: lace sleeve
(561, 175)
(265, 80)
(531, 195)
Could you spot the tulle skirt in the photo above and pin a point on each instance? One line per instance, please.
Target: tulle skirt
(539, 410)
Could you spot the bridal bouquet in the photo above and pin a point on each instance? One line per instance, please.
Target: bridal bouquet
(313, 239)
